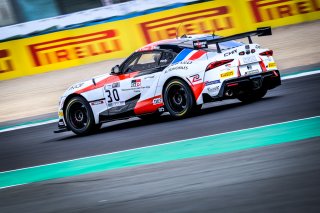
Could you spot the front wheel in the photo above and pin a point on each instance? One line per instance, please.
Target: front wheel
(79, 116)
(253, 96)
(179, 99)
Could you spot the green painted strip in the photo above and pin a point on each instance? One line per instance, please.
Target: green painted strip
(27, 123)
(202, 146)
(299, 72)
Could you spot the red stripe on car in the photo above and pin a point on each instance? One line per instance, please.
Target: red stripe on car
(197, 89)
(147, 106)
(197, 55)
(263, 67)
(108, 80)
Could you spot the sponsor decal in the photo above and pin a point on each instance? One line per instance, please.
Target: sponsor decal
(201, 21)
(116, 104)
(60, 113)
(157, 101)
(200, 44)
(136, 83)
(185, 62)
(5, 61)
(149, 77)
(251, 72)
(115, 85)
(230, 53)
(97, 102)
(161, 109)
(163, 61)
(75, 47)
(272, 65)
(76, 86)
(213, 89)
(227, 74)
(212, 82)
(249, 59)
(265, 10)
(195, 78)
(179, 67)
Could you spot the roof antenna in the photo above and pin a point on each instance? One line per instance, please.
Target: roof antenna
(213, 33)
(177, 30)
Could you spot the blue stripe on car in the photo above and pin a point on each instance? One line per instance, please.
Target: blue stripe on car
(182, 55)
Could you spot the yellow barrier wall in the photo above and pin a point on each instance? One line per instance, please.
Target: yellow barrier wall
(118, 39)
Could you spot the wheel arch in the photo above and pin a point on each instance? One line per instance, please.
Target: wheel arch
(68, 98)
(188, 83)
(172, 78)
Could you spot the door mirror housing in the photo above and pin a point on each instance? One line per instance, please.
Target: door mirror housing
(115, 69)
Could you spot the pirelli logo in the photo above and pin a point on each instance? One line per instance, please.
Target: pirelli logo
(265, 10)
(6, 64)
(75, 47)
(202, 21)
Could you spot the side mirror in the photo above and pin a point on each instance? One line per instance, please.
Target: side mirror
(115, 69)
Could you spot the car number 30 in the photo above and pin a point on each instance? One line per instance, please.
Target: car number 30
(112, 95)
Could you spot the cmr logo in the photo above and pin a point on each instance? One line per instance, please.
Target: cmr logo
(265, 10)
(5, 62)
(75, 47)
(202, 21)
(136, 83)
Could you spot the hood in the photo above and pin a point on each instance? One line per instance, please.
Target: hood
(83, 84)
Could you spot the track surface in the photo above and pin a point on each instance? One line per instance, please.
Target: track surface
(295, 99)
(283, 178)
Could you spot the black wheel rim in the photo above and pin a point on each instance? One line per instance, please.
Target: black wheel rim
(177, 98)
(78, 115)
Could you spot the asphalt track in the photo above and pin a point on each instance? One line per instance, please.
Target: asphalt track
(279, 178)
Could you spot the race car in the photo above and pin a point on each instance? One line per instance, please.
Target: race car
(174, 75)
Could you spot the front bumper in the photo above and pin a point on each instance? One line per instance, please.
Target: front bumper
(61, 127)
(237, 86)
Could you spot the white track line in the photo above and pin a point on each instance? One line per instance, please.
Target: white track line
(162, 144)
(300, 75)
(29, 125)
(56, 120)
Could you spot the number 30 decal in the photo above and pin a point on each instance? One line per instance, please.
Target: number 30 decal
(112, 95)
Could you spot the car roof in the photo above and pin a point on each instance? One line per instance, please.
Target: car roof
(185, 41)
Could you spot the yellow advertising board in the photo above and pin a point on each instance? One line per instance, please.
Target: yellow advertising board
(118, 39)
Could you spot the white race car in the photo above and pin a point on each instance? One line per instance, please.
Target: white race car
(174, 75)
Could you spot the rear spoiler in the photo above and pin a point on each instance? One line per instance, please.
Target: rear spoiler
(262, 31)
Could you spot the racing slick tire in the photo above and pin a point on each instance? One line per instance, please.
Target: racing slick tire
(79, 117)
(253, 95)
(179, 99)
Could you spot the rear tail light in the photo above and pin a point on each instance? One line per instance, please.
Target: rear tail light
(216, 64)
(267, 53)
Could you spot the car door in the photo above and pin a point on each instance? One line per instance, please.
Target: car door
(154, 62)
(137, 82)
(150, 77)
(120, 96)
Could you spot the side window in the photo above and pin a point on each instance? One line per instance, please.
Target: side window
(148, 60)
(129, 65)
(167, 58)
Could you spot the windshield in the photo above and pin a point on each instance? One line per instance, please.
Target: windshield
(225, 45)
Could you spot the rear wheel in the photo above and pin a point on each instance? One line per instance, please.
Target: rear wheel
(179, 99)
(79, 117)
(253, 95)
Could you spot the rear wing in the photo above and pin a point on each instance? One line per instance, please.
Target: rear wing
(262, 31)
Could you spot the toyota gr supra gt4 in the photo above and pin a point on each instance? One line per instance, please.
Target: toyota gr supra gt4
(174, 75)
